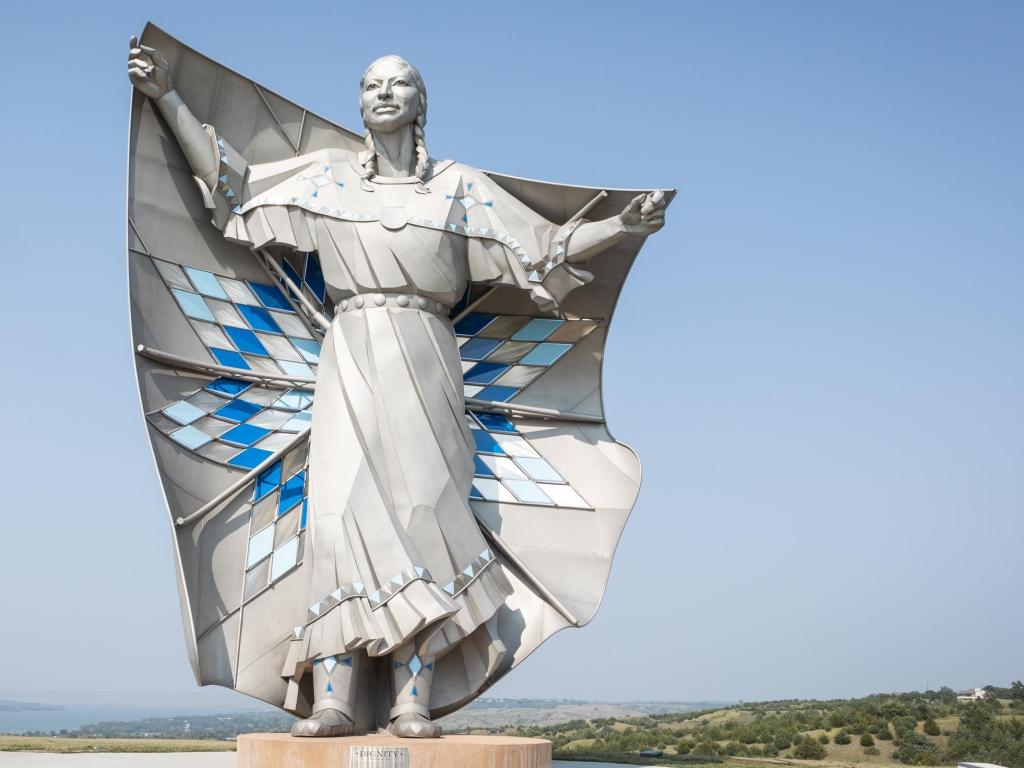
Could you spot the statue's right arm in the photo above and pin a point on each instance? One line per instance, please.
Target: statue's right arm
(151, 74)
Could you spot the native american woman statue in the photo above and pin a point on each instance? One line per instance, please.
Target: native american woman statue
(372, 388)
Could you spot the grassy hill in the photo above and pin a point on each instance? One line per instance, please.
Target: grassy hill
(930, 728)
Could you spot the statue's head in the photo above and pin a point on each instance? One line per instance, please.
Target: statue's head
(392, 95)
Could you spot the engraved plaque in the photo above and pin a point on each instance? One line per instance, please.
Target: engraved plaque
(369, 756)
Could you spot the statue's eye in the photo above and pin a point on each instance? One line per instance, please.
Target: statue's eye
(372, 86)
(400, 82)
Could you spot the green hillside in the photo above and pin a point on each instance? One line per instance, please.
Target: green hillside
(930, 728)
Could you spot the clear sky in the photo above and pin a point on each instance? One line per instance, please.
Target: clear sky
(819, 359)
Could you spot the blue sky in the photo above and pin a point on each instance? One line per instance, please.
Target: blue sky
(819, 359)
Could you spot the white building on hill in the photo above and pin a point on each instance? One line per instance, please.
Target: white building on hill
(971, 694)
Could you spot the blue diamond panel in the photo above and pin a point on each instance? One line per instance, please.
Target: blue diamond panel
(509, 470)
(287, 555)
(240, 424)
(503, 354)
(245, 323)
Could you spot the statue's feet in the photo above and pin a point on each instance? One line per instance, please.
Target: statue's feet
(326, 722)
(414, 726)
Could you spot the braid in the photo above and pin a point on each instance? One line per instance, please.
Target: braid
(371, 160)
(422, 158)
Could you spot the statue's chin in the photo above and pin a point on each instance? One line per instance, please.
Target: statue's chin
(388, 123)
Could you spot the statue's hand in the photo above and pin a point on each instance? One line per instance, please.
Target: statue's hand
(645, 214)
(148, 70)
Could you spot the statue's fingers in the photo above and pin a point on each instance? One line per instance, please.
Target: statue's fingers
(634, 204)
(658, 198)
(133, 43)
(137, 75)
(148, 49)
(160, 61)
(141, 64)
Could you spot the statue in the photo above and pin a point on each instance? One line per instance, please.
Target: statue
(374, 404)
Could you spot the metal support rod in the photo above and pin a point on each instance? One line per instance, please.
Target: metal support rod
(530, 410)
(236, 486)
(314, 314)
(261, 378)
(524, 572)
(237, 373)
(288, 381)
(587, 208)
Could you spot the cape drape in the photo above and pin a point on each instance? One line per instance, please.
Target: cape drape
(227, 355)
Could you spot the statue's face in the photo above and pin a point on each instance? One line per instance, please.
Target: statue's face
(389, 100)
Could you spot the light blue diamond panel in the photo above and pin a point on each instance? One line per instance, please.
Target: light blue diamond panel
(236, 422)
(502, 355)
(278, 517)
(250, 325)
(509, 470)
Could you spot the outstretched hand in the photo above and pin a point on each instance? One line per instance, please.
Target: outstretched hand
(148, 70)
(645, 214)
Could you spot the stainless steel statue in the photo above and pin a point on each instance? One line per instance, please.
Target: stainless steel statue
(375, 402)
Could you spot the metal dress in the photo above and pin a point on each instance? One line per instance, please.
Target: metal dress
(458, 486)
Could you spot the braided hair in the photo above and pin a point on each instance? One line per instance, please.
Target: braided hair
(422, 158)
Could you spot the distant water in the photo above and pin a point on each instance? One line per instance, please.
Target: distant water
(76, 715)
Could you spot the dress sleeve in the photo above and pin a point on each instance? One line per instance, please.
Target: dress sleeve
(511, 244)
(223, 195)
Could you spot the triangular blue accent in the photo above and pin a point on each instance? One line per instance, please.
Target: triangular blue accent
(330, 688)
(398, 664)
(414, 691)
(347, 661)
(429, 666)
(223, 179)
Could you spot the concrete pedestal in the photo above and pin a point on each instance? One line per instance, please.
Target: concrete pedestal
(279, 750)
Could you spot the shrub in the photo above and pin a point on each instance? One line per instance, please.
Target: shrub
(871, 751)
(824, 739)
(867, 740)
(809, 748)
(884, 734)
(782, 741)
(931, 727)
(916, 749)
(842, 738)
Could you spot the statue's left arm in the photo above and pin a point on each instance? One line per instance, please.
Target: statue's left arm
(544, 256)
(644, 216)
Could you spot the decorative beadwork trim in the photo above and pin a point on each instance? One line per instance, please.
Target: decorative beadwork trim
(396, 584)
(469, 574)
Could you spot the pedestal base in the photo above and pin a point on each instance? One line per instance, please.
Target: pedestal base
(279, 750)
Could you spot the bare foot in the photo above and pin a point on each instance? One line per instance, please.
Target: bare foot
(413, 726)
(326, 722)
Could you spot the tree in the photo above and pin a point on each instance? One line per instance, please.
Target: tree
(931, 727)
(809, 748)
(867, 740)
(916, 749)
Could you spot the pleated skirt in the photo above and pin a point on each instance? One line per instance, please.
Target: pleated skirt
(395, 553)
